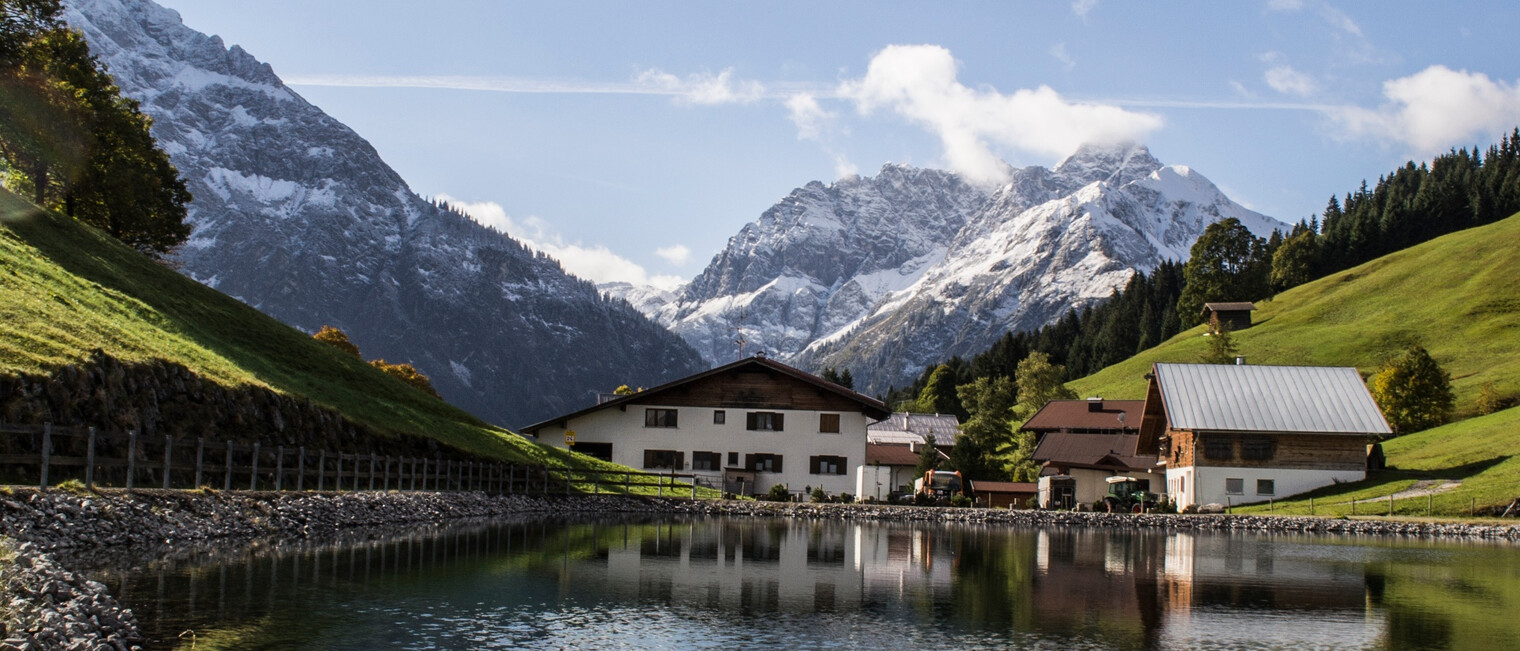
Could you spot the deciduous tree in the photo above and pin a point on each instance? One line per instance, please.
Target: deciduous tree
(1413, 391)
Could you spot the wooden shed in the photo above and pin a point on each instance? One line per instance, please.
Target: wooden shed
(1236, 315)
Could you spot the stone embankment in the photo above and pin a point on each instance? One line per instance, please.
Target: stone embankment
(43, 606)
(1074, 519)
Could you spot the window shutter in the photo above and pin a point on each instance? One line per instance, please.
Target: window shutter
(750, 419)
(814, 464)
(649, 458)
(778, 421)
(680, 461)
(843, 464)
(749, 462)
(777, 467)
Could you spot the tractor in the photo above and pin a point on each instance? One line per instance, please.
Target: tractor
(1128, 495)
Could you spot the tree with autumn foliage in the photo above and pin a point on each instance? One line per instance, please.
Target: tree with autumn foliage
(404, 372)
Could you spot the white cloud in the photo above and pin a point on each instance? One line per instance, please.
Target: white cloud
(676, 254)
(919, 83)
(1284, 79)
(596, 263)
(843, 167)
(704, 88)
(1285, 5)
(1059, 52)
(1081, 7)
(1339, 20)
(1435, 109)
(810, 118)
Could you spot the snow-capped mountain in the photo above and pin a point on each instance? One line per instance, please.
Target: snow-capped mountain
(884, 275)
(298, 216)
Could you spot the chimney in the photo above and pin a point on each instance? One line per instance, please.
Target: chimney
(1240, 360)
(1095, 404)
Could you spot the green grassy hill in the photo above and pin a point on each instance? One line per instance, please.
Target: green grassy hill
(66, 289)
(1456, 295)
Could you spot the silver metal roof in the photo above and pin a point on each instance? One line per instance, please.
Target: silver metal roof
(1309, 399)
(903, 427)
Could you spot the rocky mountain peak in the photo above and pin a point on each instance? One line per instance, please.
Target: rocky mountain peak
(1116, 163)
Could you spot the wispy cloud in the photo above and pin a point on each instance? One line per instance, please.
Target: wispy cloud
(1284, 79)
(694, 88)
(811, 119)
(1435, 109)
(704, 88)
(919, 82)
(1081, 7)
(1059, 52)
(595, 263)
(676, 254)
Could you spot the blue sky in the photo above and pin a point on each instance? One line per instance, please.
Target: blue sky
(632, 139)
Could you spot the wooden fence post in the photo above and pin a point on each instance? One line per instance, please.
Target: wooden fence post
(439, 474)
(424, 471)
(200, 457)
(253, 473)
(168, 456)
(511, 477)
(131, 456)
(338, 481)
(47, 452)
(227, 481)
(387, 486)
(89, 461)
(627, 484)
(300, 468)
(321, 470)
(279, 467)
(1390, 504)
(567, 481)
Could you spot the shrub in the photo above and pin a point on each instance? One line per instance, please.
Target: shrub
(819, 496)
(73, 486)
(779, 493)
(846, 498)
(960, 501)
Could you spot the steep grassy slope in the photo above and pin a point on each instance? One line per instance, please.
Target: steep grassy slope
(66, 289)
(1456, 295)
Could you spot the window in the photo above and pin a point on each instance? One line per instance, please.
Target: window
(827, 466)
(763, 421)
(1235, 486)
(660, 417)
(665, 459)
(720, 417)
(601, 451)
(733, 459)
(705, 460)
(1218, 448)
(1266, 486)
(828, 423)
(1257, 448)
(763, 462)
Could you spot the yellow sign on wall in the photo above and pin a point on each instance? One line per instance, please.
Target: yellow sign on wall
(569, 437)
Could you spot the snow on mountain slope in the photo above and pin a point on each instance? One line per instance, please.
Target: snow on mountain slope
(297, 215)
(842, 276)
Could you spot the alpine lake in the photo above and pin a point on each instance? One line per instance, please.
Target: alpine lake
(652, 582)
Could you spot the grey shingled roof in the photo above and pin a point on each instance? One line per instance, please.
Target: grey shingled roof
(1309, 399)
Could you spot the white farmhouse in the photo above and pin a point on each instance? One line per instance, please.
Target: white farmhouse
(745, 426)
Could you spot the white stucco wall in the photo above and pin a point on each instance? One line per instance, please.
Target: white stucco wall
(1199, 485)
(1092, 484)
(695, 432)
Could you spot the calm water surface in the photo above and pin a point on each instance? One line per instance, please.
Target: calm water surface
(725, 584)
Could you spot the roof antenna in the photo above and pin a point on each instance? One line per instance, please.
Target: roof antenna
(739, 339)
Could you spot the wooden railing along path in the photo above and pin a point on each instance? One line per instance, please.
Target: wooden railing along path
(116, 459)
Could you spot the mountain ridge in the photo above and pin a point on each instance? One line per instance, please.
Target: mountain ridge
(297, 215)
(884, 274)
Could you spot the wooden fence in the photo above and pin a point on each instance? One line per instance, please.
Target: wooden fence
(129, 460)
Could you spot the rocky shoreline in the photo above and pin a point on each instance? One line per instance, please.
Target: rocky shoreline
(48, 607)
